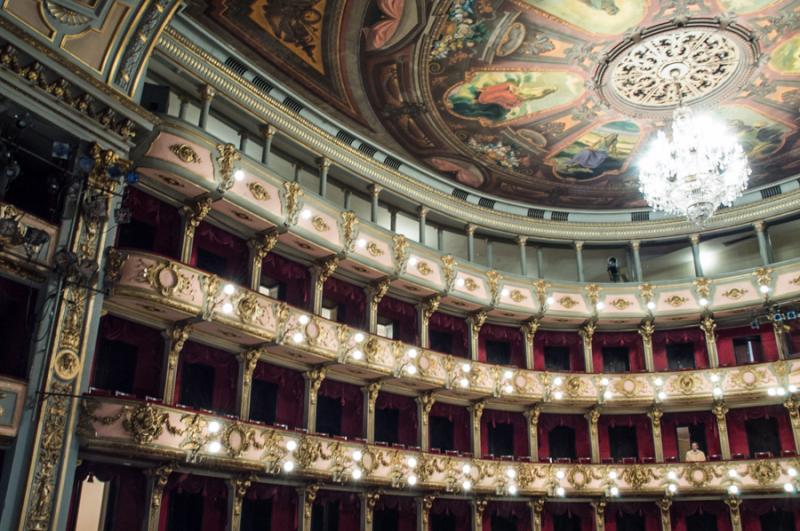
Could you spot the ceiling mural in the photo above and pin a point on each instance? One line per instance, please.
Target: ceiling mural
(543, 101)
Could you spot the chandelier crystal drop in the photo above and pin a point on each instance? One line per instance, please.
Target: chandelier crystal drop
(699, 169)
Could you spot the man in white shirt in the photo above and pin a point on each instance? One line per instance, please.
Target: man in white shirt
(695, 454)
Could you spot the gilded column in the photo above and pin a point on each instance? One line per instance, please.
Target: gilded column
(191, 215)
(260, 247)
(593, 417)
(478, 507)
(156, 482)
(476, 410)
(237, 490)
(375, 191)
(708, 326)
(779, 330)
(320, 273)
(425, 311)
(587, 332)
(646, 330)
(599, 506)
(637, 260)
(371, 393)
(324, 165)
(532, 416)
(207, 94)
(698, 266)
(720, 411)
(537, 508)
(422, 211)
(664, 505)
(175, 338)
(268, 133)
(522, 243)
(247, 366)
(471, 242)
(579, 260)
(474, 324)
(424, 505)
(368, 502)
(313, 379)
(763, 243)
(375, 293)
(734, 505)
(305, 505)
(529, 329)
(424, 404)
(792, 405)
(655, 413)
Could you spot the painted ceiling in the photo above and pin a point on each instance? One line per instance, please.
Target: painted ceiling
(550, 102)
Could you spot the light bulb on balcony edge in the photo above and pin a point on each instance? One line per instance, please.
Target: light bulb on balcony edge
(227, 308)
(511, 473)
(356, 473)
(297, 337)
(792, 388)
(792, 472)
(504, 292)
(229, 289)
(780, 391)
(561, 492)
(651, 305)
(612, 474)
(412, 462)
(703, 301)
(508, 389)
(715, 378)
(558, 395)
(214, 447)
(460, 282)
(604, 381)
(466, 468)
(305, 214)
(359, 337)
(614, 491)
(288, 466)
(412, 480)
(466, 485)
(763, 289)
(466, 367)
(607, 394)
(600, 305)
(357, 455)
(411, 369)
(658, 382)
(662, 395)
(412, 261)
(672, 487)
(238, 175)
(560, 474)
(291, 445)
(361, 243)
(558, 380)
(507, 375)
(788, 487)
(214, 427)
(463, 382)
(672, 476)
(732, 473)
(550, 300)
(512, 489)
(412, 353)
(357, 354)
(303, 320)
(717, 392)
(733, 489)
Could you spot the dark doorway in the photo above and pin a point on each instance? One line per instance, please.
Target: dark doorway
(498, 352)
(616, 359)
(212, 263)
(561, 441)
(701, 522)
(566, 522)
(747, 349)
(197, 386)
(386, 520)
(387, 424)
(443, 522)
(329, 415)
(623, 441)
(185, 512)
(556, 359)
(777, 521)
(680, 356)
(114, 366)
(325, 516)
(630, 522)
(441, 433)
(501, 439)
(504, 523)
(762, 436)
(256, 515)
(263, 401)
(440, 341)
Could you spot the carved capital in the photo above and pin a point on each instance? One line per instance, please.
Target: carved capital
(529, 329)
(324, 269)
(177, 335)
(207, 93)
(315, 377)
(249, 360)
(720, 410)
(533, 416)
(426, 401)
(372, 390)
(655, 413)
(195, 212)
(263, 244)
(646, 330)
(429, 306)
(240, 487)
(476, 321)
(471, 229)
(378, 290)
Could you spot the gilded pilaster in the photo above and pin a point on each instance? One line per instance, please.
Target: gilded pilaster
(320, 273)
(260, 247)
(792, 405)
(708, 326)
(734, 505)
(237, 490)
(375, 293)
(593, 417)
(537, 508)
(599, 506)
(247, 366)
(587, 332)
(424, 505)
(313, 379)
(424, 404)
(529, 329)
(532, 416)
(368, 502)
(192, 214)
(664, 505)
(779, 329)
(305, 506)
(371, 393)
(268, 133)
(655, 413)
(474, 324)
(646, 330)
(175, 338)
(720, 411)
(476, 410)
(478, 507)
(425, 311)
(157, 480)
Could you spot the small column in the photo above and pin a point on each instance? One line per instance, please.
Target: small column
(478, 507)
(537, 508)
(490, 253)
(375, 190)
(599, 506)
(191, 216)
(393, 219)
(655, 413)
(184, 107)
(243, 141)
(296, 167)
(175, 338)
(237, 490)
(313, 379)
(347, 199)
(207, 94)
(792, 405)
(664, 505)
(423, 217)
(646, 330)
(425, 310)
(320, 273)
(698, 266)
(324, 164)
(579, 260)
(708, 326)
(476, 410)
(539, 262)
(734, 505)
(375, 293)
(522, 242)
(763, 243)
(593, 417)
(474, 324)
(424, 505)
(247, 366)
(268, 132)
(371, 393)
(779, 330)
(720, 410)
(529, 329)
(471, 242)
(424, 404)
(305, 506)
(368, 502)
(637, 260)
(156, 481)
(532, 415)
(587, 332)
(260, 247)
(439, 239)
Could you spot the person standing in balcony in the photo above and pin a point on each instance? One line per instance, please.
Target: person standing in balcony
(695, 454)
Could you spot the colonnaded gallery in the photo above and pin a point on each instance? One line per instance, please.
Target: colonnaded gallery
(399, 265)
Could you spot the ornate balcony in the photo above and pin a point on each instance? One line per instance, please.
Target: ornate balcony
(12, 396)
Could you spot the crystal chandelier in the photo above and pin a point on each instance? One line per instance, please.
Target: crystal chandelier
(699, 169)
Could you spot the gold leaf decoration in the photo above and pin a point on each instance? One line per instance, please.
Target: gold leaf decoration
(424, 268)
(676, 301)
(567, 302)
(517, 296)
(620, 303)
(259, 192)
(374, 250)
(735, 293)
(319, 224)
(470, 284)
(185, 153)
(764, 472)
(685, 384)
(795, 281)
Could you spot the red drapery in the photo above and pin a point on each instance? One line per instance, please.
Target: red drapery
(284, 504)
(352, 400)
(518, 510)
(293, 275)
(669, 433)
(459, 416)
(404, 316)
(753, 510)
(492, 417)
(582, 511)
(149, 345)
(225, 245)
(406, 511)
(291, 392)
(737, 434)
(727, 358)
(351, 297)
(644, 436)
(460, 509)
(381, 32)
(407, 425)
(548, 421)
(129, 505)
(681, 509)
(442, 322)
(226, 372)
(510, 335)
(688, 335)
(630, 340)
(349, 507)
(164, 219)
(652, 518)
(569, 340)
(215, 499)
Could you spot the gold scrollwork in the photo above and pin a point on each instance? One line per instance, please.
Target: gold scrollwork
(676, 301)
(685, 384)
(185, 153)
(374, 250)
(424, 268)
(620, 303)
(517, 296)
(470, 284)
(764, 472)
(735, 293)
(567, 302)
(319, 224)
(67, 365)
(258, 191)
(145, 423)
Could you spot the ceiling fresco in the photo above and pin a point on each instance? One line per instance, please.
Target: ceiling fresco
(544, 101)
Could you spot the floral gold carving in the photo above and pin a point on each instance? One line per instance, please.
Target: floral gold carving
(470, 284)
(258, 191)
(517, 296)
(620, 303)
(795, 281)
(319, 224)
(637, 476)
(349, 227)
(374, 250)
(735, 293)
(292, 194)
(629, 387)
(185, 153)
(567, 302)
(424, 268)
(676, 301)
(686, 384)
(749, 378)
(764, 472)
(698, 474)
(145, 423)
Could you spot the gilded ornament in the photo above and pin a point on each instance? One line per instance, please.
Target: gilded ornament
(476, 321)
(248, 308)
(698, 474)
(374, 250)
(567, 302)
(115, 259)
(237, 439)
(195, 212)
(764, 472)
(646, 290)
(145, 423)
(594, 292)
(494, 278)
(379, 290)
(636, 476)
(541, 290)
(258, 191)
(763, 276)
(735, 293)
(795, 281)
(429, 307)
(686, 384)
(676, 301)
(67, 365)
(349, 227)
(185, 153)
(517, 296)
(426, 400)
(579, 476)
(225, 161)
(424, 268)
(400, 244)
(470, 284)
(575, 386)
(629, 387)
(621, 304)
(319, 224)
(449, 267)
(703, 287)
(749, 378)
(291, 201)
(263, 244)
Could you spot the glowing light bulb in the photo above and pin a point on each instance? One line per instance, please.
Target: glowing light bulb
(604, 381)
(357, 455)
(359, 337)
(412, 480)
(460, 282)
(662, 395)
(214, 427)
(792, 388)
(466, 367)
(561, 492)
(504, 292)
(614, 491)
(771, 391)
(297, 337)
(658, 381)
(717, 392)
(466, 485)
(412, 462)
(612, 474)
(303, 320)
(227, 308)
(788, 487)
(763, 289)
(607, 394)
(357, 354)
(463, 382)
(558, 380)
(732, 473)
(512, 489)
(600, 305)
(466, 468)
(715, 378)
(703, 301)
(733, 489)
(780, 391)
(229, 289)
(672, 476)
(792, 472)
(560, 474)
(356, 473)
(672, 487)
(411, 369)
(291, 445)
(214, 447)
(550, 300)
(511, 473)
(361, 243)
(305, 214)
(412, 261)
(288, 466)
(238, 175)
(558, 395)
(507, 375)
(651, 305)
(508, 389)
(412, 353)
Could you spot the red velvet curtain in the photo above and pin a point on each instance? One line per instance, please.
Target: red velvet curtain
(149, 345)
(406, 511)
(753, 510)
(381, 32)
(630, 340)
(652, 517)
(407, 425)
(284, 504)
(351, 297)
(460, 509)
(349, 507)
(226, 373)
(129, 504)
(164, 218)
(582, 511)
(457, 326)
(293, 275)
(681, 509)
(548, 421)
(669, 431)
(291, 392)
(727, 358)
(352, 400)
(510, 335)
(644, 435)
(492, 417)
(569, 340)
(460, 418)
(688, 335)
(404, 316)
(215, 499)
(518, 510)
(737, 435)
(225, 245)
